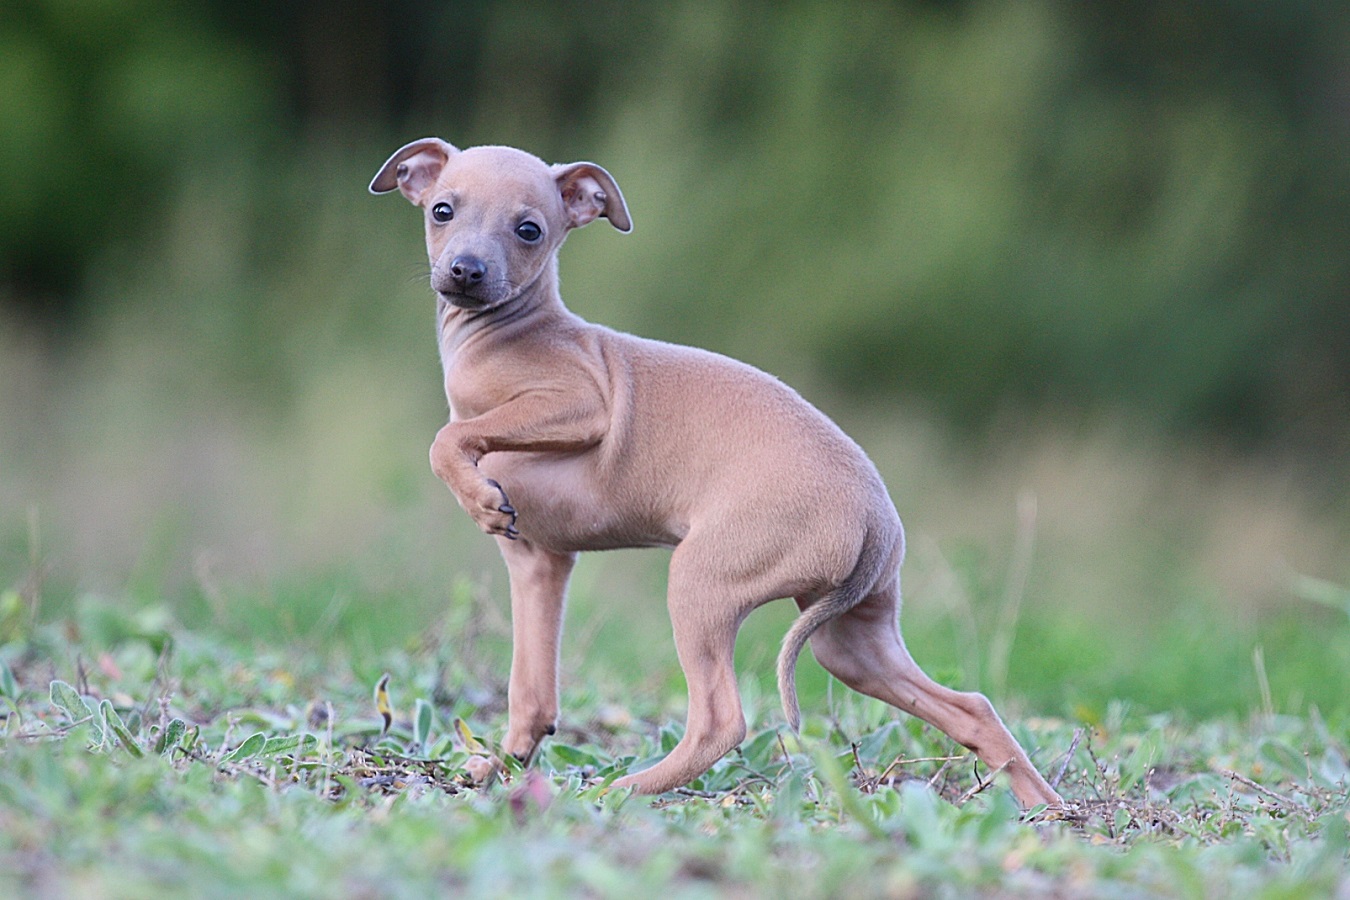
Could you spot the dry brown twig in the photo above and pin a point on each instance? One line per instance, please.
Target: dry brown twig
(1263, 790)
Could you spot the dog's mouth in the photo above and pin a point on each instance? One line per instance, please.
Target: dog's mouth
(461, 300)
(476, 298)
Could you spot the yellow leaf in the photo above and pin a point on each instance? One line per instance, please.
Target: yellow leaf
(471, 743)
(382, 704)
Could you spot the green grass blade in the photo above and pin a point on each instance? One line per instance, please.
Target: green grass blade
(9, 687)
(423, 720)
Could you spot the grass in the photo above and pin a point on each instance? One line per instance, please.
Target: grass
(140, 757)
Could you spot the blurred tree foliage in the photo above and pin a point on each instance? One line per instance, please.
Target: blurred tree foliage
(103, 105)
(989, 206)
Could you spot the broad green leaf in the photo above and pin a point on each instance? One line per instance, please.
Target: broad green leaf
(119, 728)
(69, 701)
(442, 748)
(788, 797)
(763, 750)
(573, 756)
(172, 734)
(294, 744)
(883, 745)
(189, 738)
(251, 746)
(669, 738)
(508, 762)
(102, 734)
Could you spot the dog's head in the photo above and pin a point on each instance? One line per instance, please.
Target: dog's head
(495, 216)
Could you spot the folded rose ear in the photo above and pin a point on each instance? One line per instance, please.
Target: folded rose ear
(589, 192)
(413, 168)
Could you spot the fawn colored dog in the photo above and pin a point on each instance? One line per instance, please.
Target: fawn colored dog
(566, 436)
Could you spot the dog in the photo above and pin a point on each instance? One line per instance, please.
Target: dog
(565, 436)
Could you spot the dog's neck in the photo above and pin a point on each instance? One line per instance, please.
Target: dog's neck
(457, 328)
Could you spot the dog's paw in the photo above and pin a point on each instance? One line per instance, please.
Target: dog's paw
(493, 511)
(481, 771)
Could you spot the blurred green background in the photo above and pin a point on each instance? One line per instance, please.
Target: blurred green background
(1077, 275)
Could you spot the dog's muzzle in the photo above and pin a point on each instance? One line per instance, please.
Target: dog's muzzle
(463, 283)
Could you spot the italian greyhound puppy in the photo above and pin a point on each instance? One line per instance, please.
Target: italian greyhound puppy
(565, 436)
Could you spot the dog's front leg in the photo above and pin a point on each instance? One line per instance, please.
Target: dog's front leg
(538, 422)
(454, 458)
(538, 588)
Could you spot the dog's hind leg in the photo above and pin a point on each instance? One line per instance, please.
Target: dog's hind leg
(705, 639)
(863, 648)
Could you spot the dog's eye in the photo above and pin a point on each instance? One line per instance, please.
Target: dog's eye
(529, 232)
(442, 212)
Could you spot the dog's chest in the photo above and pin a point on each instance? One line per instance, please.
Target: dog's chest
(468, 403)
(474, 386)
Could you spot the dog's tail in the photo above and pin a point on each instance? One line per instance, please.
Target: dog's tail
(855, 588)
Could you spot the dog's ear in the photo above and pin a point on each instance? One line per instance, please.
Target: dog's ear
(413, 168)
(589, 192)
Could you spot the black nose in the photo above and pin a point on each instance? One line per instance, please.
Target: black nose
(467, 271)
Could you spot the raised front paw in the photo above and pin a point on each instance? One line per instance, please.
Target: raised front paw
(493, 511)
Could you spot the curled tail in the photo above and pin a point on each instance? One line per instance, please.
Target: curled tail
(849, 594)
